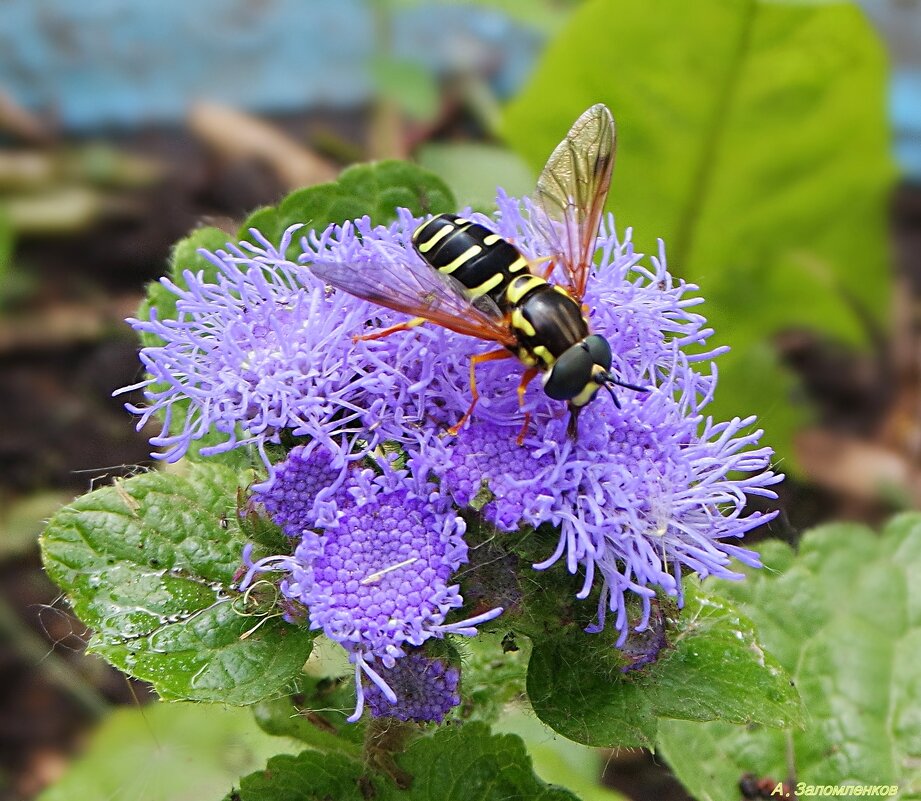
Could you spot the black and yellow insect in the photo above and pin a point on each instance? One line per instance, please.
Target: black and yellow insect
(473, 281)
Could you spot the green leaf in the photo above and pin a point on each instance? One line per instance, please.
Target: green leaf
(167, 752)
(843, 616)
(475, 170)
(148, 564)
(375, 189)
(471, 764)
(714, 668)
(309, 776)
(494, 673)
(314, 717)
(575, 686)
(741, 144)
(464, 763)
(558, 760)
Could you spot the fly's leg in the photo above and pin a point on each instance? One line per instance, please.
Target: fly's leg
(386, 332)
(525, 380)
(480, 358)
(573, 428)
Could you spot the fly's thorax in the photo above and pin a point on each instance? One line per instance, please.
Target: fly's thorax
(546, 319)
(479, 259)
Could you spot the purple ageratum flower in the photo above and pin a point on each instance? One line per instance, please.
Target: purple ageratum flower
(260, 348)
(647, 489)
(427, 690)
(373, 565)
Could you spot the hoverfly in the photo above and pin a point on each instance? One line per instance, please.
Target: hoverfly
(474, 282)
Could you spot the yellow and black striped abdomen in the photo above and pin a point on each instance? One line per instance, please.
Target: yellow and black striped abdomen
(482, 261)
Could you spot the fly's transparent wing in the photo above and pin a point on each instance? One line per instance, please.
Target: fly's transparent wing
(419, 290)
(571, 192)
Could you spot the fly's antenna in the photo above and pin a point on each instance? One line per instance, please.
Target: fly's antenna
(609, 381)
(607, 385)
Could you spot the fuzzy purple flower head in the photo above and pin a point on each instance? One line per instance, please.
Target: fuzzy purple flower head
(373, 563)
(257, 349)
(427, 690)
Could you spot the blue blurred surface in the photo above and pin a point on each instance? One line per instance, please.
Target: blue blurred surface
(899, 21)
(125, 62)
(905, 108)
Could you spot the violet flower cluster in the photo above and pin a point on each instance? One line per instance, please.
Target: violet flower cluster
(646, 492)
(373, 561)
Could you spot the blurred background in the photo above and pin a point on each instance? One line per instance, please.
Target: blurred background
(775, 147)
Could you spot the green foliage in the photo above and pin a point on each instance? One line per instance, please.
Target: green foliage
(148, 564)
(475, 170)
(714, 668)
(462, 763)
(167, 752)
(494, 673)
(375, 189)
(843, 616)
(752, 139)
(558, 760)
(316, 726)
(309, 776)
(491, 679)
(471, 763)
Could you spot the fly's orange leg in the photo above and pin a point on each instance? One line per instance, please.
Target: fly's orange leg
(386, 332)
(480, 358)
(525, 380)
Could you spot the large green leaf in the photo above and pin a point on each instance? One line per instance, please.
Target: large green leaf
(148, 564)
(463, 763)
(843, 616)
(752, 139)
(713, 668)
(167, 752)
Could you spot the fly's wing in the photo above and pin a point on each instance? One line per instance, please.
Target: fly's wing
(571, 191)
(417, 289)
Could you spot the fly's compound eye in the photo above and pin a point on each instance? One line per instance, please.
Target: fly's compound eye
(570, 373)
(600, 350)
